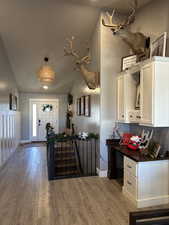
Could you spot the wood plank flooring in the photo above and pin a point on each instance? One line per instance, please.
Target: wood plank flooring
(27, 198)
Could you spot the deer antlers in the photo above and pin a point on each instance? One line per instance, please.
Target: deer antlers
(129, 20)
(71, 52)
(91, 78)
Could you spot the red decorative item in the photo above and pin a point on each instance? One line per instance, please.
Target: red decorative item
(134, 142)
(133, 146)
(126, 139)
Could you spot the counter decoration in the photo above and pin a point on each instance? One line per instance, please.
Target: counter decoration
(135, 142)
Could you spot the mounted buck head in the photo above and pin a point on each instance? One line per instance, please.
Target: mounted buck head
(91, 78)
(137, 42)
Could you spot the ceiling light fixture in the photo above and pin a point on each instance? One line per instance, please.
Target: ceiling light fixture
(46, 74)
(45, 87)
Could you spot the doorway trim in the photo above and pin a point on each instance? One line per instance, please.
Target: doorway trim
(30, 111)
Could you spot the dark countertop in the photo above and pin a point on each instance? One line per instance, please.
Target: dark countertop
(134, 155)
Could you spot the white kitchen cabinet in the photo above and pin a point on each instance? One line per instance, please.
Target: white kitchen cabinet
(146, 183)
(155, 93)
(126, 97)
(120, 99)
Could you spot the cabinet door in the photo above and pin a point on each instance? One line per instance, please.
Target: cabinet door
(120, 98)
(147, 94)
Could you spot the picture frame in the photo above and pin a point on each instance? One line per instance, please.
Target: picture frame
(154, 149)
(13, 101)
(82, 106)
(158, 46)
(78, 107)
(128, 61)
(87, 105)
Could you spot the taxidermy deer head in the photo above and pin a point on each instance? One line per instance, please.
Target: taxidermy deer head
(91, 78)
(138, 43)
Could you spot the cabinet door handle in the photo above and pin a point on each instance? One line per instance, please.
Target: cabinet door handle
(131, 116)
(123, 116)
(129, 166)
(129, 183)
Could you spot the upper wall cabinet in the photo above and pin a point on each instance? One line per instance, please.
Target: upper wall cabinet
(155, 93)
(153, 78)
(126, 98)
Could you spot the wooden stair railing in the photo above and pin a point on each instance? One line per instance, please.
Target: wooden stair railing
(63, 158)
(70, 157)
(151, 217)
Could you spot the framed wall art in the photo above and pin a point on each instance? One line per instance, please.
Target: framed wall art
(13, 101)
(82, 103)
(128, 61)
(158, 46)
(78, 107)
(87, 105)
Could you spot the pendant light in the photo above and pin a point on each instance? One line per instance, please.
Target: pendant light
(46, 74)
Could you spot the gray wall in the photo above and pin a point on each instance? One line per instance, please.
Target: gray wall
(24, 107)
(153, 20)
(82, 123)
(7, 81)
(112, 50)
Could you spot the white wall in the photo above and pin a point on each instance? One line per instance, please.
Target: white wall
(7, 81)
(82, 123)
(24, 107)
(92, 123)
(153, 19)
(9, 120)
(112, 50)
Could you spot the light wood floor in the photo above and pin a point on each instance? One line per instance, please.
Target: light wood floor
(27, 198)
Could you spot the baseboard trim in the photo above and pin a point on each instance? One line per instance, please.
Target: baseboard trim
(101, 173)
(159, 200)
(25, 141)
(149, 202)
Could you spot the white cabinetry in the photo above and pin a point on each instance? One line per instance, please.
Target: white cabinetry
(155, 93)
(146, 183)
(126, 97)
(120, 100)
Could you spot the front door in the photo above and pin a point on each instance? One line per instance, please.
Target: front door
(42, 112)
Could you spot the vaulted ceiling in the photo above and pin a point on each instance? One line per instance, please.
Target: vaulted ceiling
(33, 29)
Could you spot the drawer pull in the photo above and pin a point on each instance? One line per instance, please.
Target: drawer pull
(129, 166)
(131, 116)
(129, 183)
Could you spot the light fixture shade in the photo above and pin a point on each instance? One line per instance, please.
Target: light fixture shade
(46, 74)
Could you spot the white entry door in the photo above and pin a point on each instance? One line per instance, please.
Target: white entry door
(42, 112)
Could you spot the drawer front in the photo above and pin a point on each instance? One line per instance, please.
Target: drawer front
(130, 184)
(130, 166)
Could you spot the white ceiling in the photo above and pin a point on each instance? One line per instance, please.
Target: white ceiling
(32, 29)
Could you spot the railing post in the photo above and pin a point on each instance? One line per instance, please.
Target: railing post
(50, 158)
